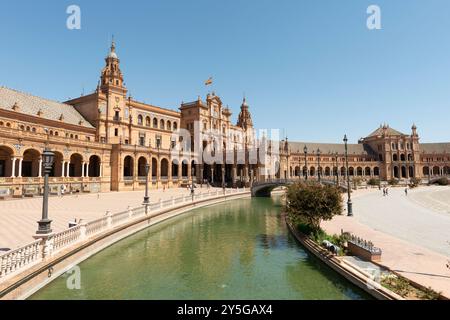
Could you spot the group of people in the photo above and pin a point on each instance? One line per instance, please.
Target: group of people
(386, 191)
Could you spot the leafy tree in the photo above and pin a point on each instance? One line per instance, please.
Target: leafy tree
(313, 203)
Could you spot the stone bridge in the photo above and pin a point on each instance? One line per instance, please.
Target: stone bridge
(264, 188)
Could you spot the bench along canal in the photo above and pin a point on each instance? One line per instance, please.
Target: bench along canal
(235, 250)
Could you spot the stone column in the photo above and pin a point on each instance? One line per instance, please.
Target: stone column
(158, 173)
(101, 171)
(169, 174)
(20, 168)
(82, 169)
(13, 167)
(87, 169)
(189, 170)
(63, 168)
(180, 171)
(135, 168)
(40, 168)
(67, 169)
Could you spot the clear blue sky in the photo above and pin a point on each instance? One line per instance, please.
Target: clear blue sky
(311, 68)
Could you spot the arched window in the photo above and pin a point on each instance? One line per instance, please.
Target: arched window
(376, 171)
(394, 157)
(140, 120)
(175, 126)
(147, 121)
(155, 123)
(169, 125)
(161, 124)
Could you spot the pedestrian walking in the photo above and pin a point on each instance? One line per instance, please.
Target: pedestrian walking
(384, 192)
(406, 191)
(387, 191)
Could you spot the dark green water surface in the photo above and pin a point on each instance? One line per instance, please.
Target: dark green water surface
(240, 249)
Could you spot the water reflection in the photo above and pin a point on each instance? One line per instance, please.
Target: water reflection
(235, 250)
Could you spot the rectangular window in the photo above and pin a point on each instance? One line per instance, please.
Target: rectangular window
(116, 132)
(142, 139)
(158, 142)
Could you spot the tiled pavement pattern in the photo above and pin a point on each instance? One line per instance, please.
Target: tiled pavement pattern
(438, 201)
(414, 239)
(18, 218)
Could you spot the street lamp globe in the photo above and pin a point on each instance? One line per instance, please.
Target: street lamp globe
(47, 159)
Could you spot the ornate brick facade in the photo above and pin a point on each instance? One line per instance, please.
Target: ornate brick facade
(103, 141)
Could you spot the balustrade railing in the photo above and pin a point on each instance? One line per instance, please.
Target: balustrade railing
(96, 226)
(16, 259)
(25, 256)
(66, 237)
(120, 217)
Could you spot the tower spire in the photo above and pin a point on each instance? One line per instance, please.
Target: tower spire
(113, 44)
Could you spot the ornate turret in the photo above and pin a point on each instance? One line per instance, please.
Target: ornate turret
(111, 74)
(414, 130)
(245, 118)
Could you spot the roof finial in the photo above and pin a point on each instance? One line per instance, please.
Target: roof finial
(113, 44)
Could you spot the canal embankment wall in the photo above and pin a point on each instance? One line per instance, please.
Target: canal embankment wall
(349, 271)
(99, 235)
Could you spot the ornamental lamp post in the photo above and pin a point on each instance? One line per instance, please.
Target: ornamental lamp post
(146, 197)
(349, 202)
(337, 169)
(305, 151)
(318, 164)
(47, 163)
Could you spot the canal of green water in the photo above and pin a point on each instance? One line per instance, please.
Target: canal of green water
(239, 249)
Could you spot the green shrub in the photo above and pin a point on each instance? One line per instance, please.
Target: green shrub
(356, 182)
(442, 181)
(414, 182)
(373, 182)
(393, 182)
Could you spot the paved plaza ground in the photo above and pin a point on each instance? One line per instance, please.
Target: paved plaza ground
(18, 218)
(413, 231)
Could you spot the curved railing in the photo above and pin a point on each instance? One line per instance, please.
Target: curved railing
(17, 260)
(14, 260)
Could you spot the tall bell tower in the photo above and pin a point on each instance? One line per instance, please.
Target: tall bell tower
(245, 118)
(116, 113)
(111, 77)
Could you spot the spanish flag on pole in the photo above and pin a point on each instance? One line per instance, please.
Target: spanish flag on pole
(209, 81)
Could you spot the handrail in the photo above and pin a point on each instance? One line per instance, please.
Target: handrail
(14, 260)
